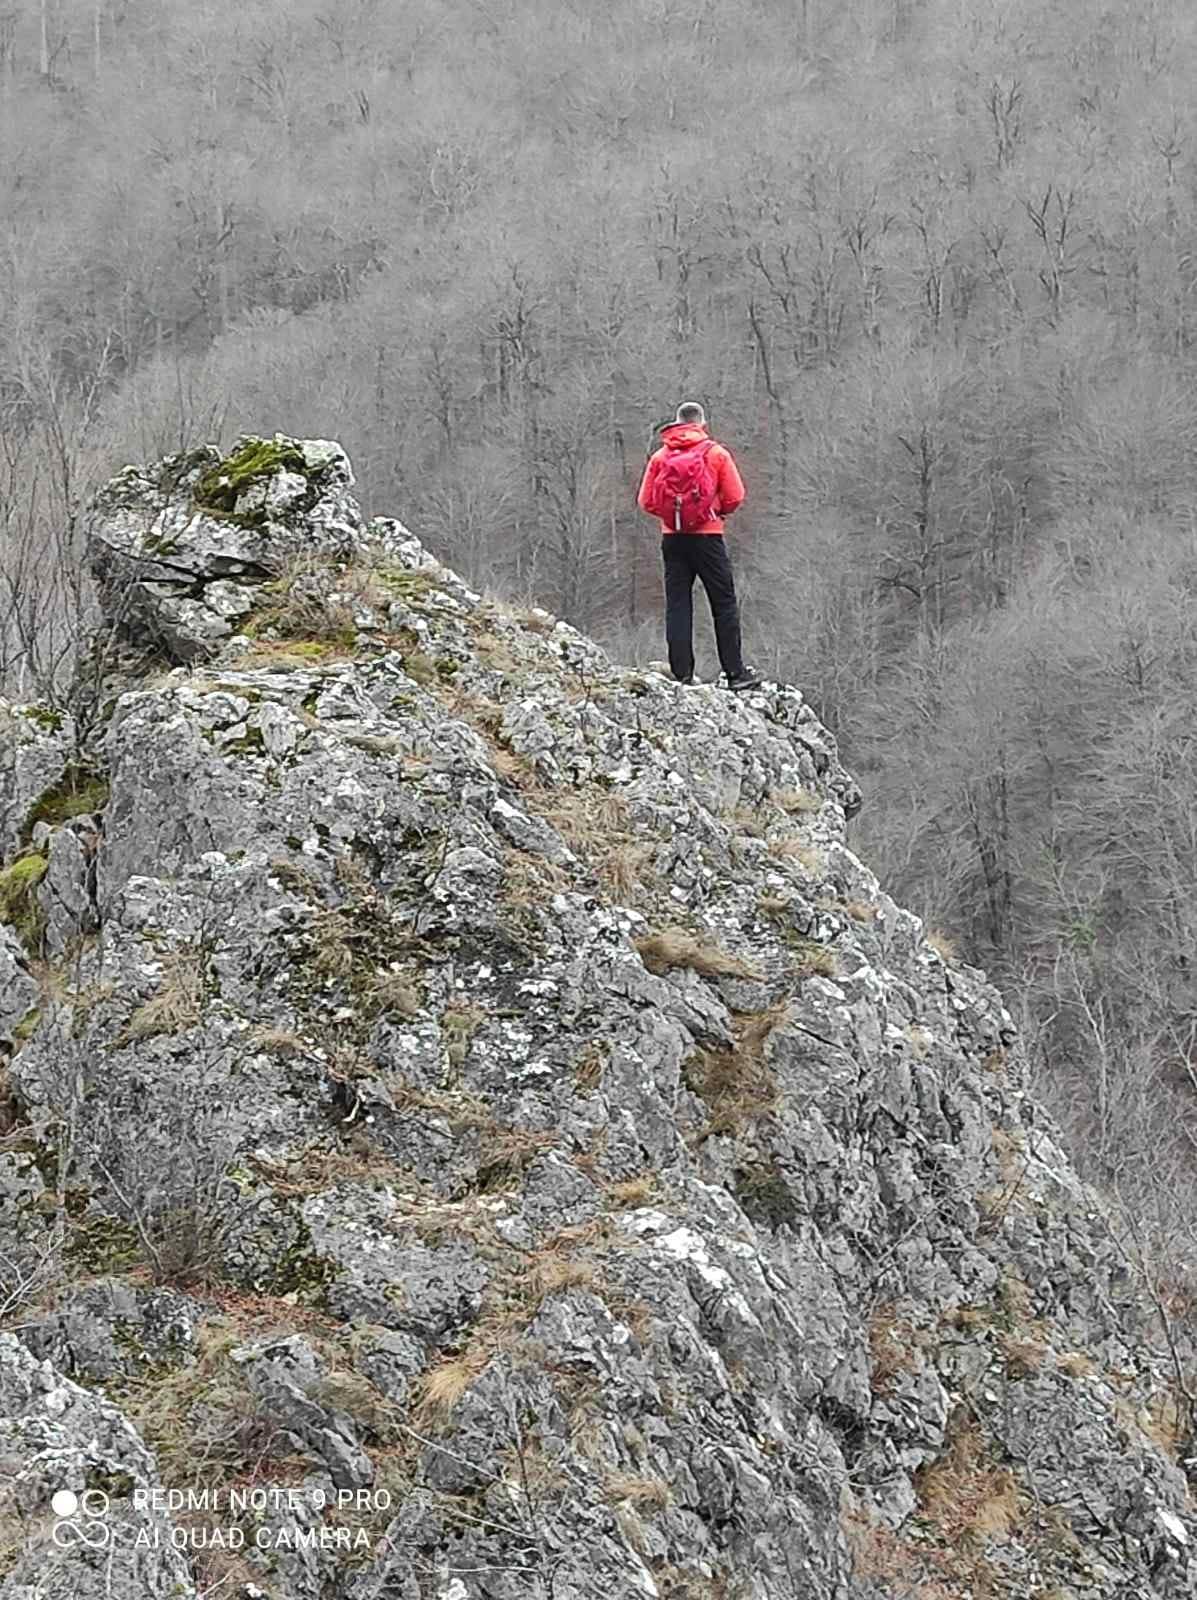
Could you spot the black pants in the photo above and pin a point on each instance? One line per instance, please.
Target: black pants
(700, 555)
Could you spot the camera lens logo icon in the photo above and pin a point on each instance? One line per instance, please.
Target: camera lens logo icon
(79, 1519)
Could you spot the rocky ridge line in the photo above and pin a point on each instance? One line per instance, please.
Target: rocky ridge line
(446, 1065)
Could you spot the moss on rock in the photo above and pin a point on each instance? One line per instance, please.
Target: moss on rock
(27, 1027)
(253, 459)
(18, 897)
(47, 718)
(402, 584)
(98, 1244)
(79, 792)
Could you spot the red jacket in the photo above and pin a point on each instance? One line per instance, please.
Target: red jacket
(730, 485)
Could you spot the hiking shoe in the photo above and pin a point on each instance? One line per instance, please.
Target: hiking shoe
(745, 680)
(690, 679)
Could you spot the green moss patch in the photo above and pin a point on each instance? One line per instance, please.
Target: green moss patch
(18, 897)
(410, 587)
(79, 792)
(305, 649)
(253, 460)
(99, 1244)
(27, 1027)
(44, 717)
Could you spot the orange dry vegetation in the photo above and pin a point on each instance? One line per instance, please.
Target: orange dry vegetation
(965, 1494)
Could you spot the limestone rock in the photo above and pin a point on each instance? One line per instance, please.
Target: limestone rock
(111, 1329)
(56, 1437)
(18, 991)
(181, 551)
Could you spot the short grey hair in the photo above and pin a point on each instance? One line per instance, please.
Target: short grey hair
(691, 411)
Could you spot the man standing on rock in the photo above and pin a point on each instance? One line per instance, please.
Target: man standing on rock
(691, 484)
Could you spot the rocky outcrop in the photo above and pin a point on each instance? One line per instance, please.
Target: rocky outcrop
(181, 551)
(572, 1172)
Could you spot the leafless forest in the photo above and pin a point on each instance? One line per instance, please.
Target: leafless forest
(931, 265)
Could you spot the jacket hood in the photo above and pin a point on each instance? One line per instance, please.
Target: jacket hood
(681, 435)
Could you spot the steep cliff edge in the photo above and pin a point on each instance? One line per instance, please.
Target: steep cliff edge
(471, 1117)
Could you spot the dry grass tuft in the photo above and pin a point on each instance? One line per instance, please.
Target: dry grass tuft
(943, 945)
(496, 654)
(202, 1419)
(796, 802)
(632, 1192)
(357, 1397)
(814, 959)
(391, 994)
(534, 619)
(1165, 1421)
(332, 956)
(458, 1107)
(530, 881)
(1011, 1157)
(586, 826)
(512, 768)
(678, 947)
(506, 1154)
(278, 1042)
(745, 819)
(1015, 1298)
(892, 1348)
(880, 1553)
(628, 870)
(512, 1301)
(992, 1205)
(807, 856)
(969, 1318)
(965, 1494)
(318, 1168)
(1076, 1364)
(442, 1387)
(607, 839)
(590, 1066)
(735, 1082)
(1023, 1357)
(292, 875)
(860, 910)
(177, 1003)
(459, 1024)
(310, 602)
(554, 1273)
(628, 1489)
(284, 655)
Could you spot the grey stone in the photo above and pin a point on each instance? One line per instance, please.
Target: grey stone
(282, 1374)
(36, 745)
(55, 1436)
(18, 991)
(113, 1330)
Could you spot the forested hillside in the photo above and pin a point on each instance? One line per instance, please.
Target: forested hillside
(929, 264)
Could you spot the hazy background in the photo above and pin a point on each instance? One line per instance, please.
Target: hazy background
(931, 265)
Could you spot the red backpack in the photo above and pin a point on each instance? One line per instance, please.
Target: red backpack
(685, 488)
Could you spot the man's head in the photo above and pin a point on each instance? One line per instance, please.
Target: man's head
(691, 411)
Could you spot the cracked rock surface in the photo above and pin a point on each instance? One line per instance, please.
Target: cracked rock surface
(482, 1082)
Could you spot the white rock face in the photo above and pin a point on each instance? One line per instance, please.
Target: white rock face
(517, 1043)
